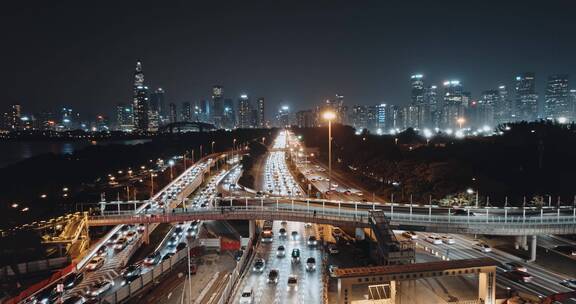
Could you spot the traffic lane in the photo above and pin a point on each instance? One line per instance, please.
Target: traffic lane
(544, 282)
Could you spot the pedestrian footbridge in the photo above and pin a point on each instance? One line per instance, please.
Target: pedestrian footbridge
(354, 214)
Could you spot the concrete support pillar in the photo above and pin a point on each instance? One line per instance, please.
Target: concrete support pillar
(487, 285)
(533, 246)
(344, 292)
(252, 228)
(146, 236)
(392, 291)
(521, 242)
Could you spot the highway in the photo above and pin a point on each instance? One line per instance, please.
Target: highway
(308, 288)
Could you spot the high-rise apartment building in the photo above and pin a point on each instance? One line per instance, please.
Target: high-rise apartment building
(305, 119)
(452, 107)
(504, 107)
(172, 113)
(557, 98)
(15, 120)
(244, 112)
(124, 117)
(157, 108)
(486, 108)
(186, 113)
(217, 107)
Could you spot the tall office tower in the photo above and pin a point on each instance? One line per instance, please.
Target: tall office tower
(305, 119)
(172, 113)
(15, 117)
(205, 110)
(261, 117)
(5, 121)
(124, 117)
(526, 106)
(157, 107)
(186, 113)
(140, 100)
(452, 107)
(434, 108)
(372, 118)
(573, 103)
(359, 117)
(283, 117)
(229, 115)
(411, 116)
(503, 108)
(486, 108)
(395, 119)
(557, 98)
(418, 99)
(68, 120)
(217, 107)
(244, 112)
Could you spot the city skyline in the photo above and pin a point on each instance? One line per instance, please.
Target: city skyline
(365, 68)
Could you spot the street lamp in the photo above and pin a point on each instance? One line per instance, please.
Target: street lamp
(329, 115)
(152, 183)
(213, 147)
(460, 121)
(171, 164)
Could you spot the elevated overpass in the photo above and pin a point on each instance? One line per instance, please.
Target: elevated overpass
(353, 214)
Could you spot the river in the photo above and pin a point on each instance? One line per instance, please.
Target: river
(15, 151)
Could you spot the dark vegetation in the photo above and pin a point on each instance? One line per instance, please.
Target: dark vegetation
(84, 173)
(256, 150)
(532, 160)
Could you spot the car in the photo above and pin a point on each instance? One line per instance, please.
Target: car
(180, 224)
(72, 280)
(247, 296)
(483, 247)
(132, 272)
(124, 229)
(259, 265)
(519, 276)
(308, 225)
(333, 249)
(178, 231)
(447, 239)
(434, 239)
(95, 263)
(48, 295)
(337, 232)
(310, 264)
(292, 282)
(191, 232)
(294, 234)
(167, 256)
(181, 246)
(99, 288)
(312, 241)
(172, 241)
(570, 283)
(282, 232)
(295, 255)
(273, 276)
(113, 238)
(238, 254)
(120, 243)
(281, 251)
(566, 249)
(511, 266)
(141, 228)
(153, 258)
(410, 235)
(102, 251)
(75, 299)
(462, 212)
(130, 236)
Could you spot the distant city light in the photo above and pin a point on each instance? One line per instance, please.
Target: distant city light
(562, 120)
(244, 96)
(427, 133)
(285, 108)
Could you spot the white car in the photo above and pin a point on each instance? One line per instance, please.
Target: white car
(310, 264)
(281, 251)
(410, 235)
(482, 247)
(446, 239)
(259, 265)
(95, 263)
(434, 239)
(247, 296)
(99, 288)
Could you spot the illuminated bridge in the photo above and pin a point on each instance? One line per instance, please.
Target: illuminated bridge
(357, 214)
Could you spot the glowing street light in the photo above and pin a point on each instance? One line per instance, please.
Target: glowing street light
(171, 164)
(329, 115)
(460, 121)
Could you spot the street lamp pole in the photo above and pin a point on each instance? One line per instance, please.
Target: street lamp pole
(213, 147)
(329, 116)
(151, 183)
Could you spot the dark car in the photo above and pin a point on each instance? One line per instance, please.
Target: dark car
(181, 246)
(167, 256)
(238, 255)
(153, 258)
(132, 272)
(73, 279)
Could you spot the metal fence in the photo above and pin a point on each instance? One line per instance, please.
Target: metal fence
(145, 279)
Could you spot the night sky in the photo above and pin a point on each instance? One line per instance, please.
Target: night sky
(296, 53)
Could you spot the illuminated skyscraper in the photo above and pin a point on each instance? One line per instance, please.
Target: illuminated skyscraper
(244, 112)
(261, 118)
(486, 108)
(15, 120)
(452, 107)
(140, 100)
(157, 107)
(434, 108)
(504, 108)
(172, 113)
(186, 112)
(526, 107)
(217, 108)
(557, 98)
(124, 117)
